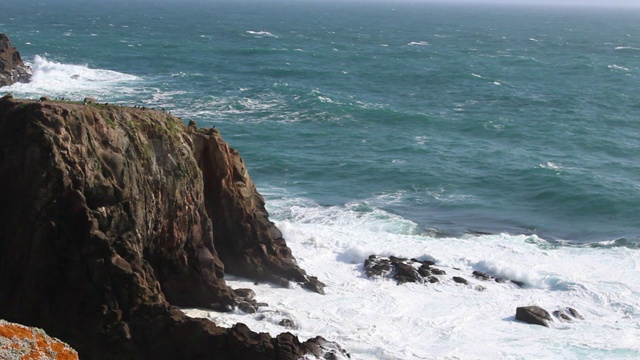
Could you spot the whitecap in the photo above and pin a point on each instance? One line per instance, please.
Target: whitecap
(260, 34)
(550, 165)
(418, 43)
(618, 67)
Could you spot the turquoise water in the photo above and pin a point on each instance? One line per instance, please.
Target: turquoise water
(455, 118)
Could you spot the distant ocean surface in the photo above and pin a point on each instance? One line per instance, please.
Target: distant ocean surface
(501, 139)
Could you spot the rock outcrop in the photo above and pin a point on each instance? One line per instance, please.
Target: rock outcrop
(12, 68)
(111, 216)
(404, 270)
(21, 342)
(247, 242)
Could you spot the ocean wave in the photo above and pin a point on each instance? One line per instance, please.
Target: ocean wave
(261, 34)
(72, 81)
(600, 283)
(617, 67)
(418, 43)
(626, 48)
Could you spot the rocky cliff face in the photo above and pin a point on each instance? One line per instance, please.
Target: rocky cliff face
(12, 69)
(111, 215)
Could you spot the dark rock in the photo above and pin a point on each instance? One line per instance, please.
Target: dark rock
(12, 68)
(246, 307)
(104, 226)
(314, 284)
(405, 272)
(433, 279)
(246, 294)
(533, 315)
(89, 100)
(436, 271)
(289, 324)
(45, 98)
(573, 312)
(567, 314)
(519, 283)
(424, 270)
(246, 241)
(481, 276)
(377, 266)
(460, 280)
(562, 316)
(322, 348)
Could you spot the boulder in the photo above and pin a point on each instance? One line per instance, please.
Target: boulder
(12, 68)
(533, 315)
(111, 216)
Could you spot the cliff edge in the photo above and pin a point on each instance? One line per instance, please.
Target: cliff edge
(12, 68)
(111, 216)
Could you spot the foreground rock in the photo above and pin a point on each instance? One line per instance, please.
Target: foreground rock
(12, 69)
(110, 216)
(21, 342)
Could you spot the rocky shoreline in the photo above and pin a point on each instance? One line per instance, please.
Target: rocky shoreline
(112, 216)
(12, 68)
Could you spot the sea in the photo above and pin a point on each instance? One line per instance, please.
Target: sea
(495, 138)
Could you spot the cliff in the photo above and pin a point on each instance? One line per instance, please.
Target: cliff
(12, 69)
(111, 216)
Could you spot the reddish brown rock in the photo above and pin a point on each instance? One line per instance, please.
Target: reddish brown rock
(103, 227)
(247, 242)
(12, 68)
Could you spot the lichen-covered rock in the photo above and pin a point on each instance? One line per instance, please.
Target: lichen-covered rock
(106, 222)
(21, 342)
(12, 68)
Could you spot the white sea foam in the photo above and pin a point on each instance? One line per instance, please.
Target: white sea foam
(71, 81)
(377, 319)
(550, 165)
(618, 67)
(626, 48)
(418, 43)
(260, 34)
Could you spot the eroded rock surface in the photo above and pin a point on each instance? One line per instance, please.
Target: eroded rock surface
(110, 216)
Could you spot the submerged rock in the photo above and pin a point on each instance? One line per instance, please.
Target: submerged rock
(110, 216)
(12, 68)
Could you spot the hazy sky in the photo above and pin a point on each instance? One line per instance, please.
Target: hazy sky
(635, 3)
